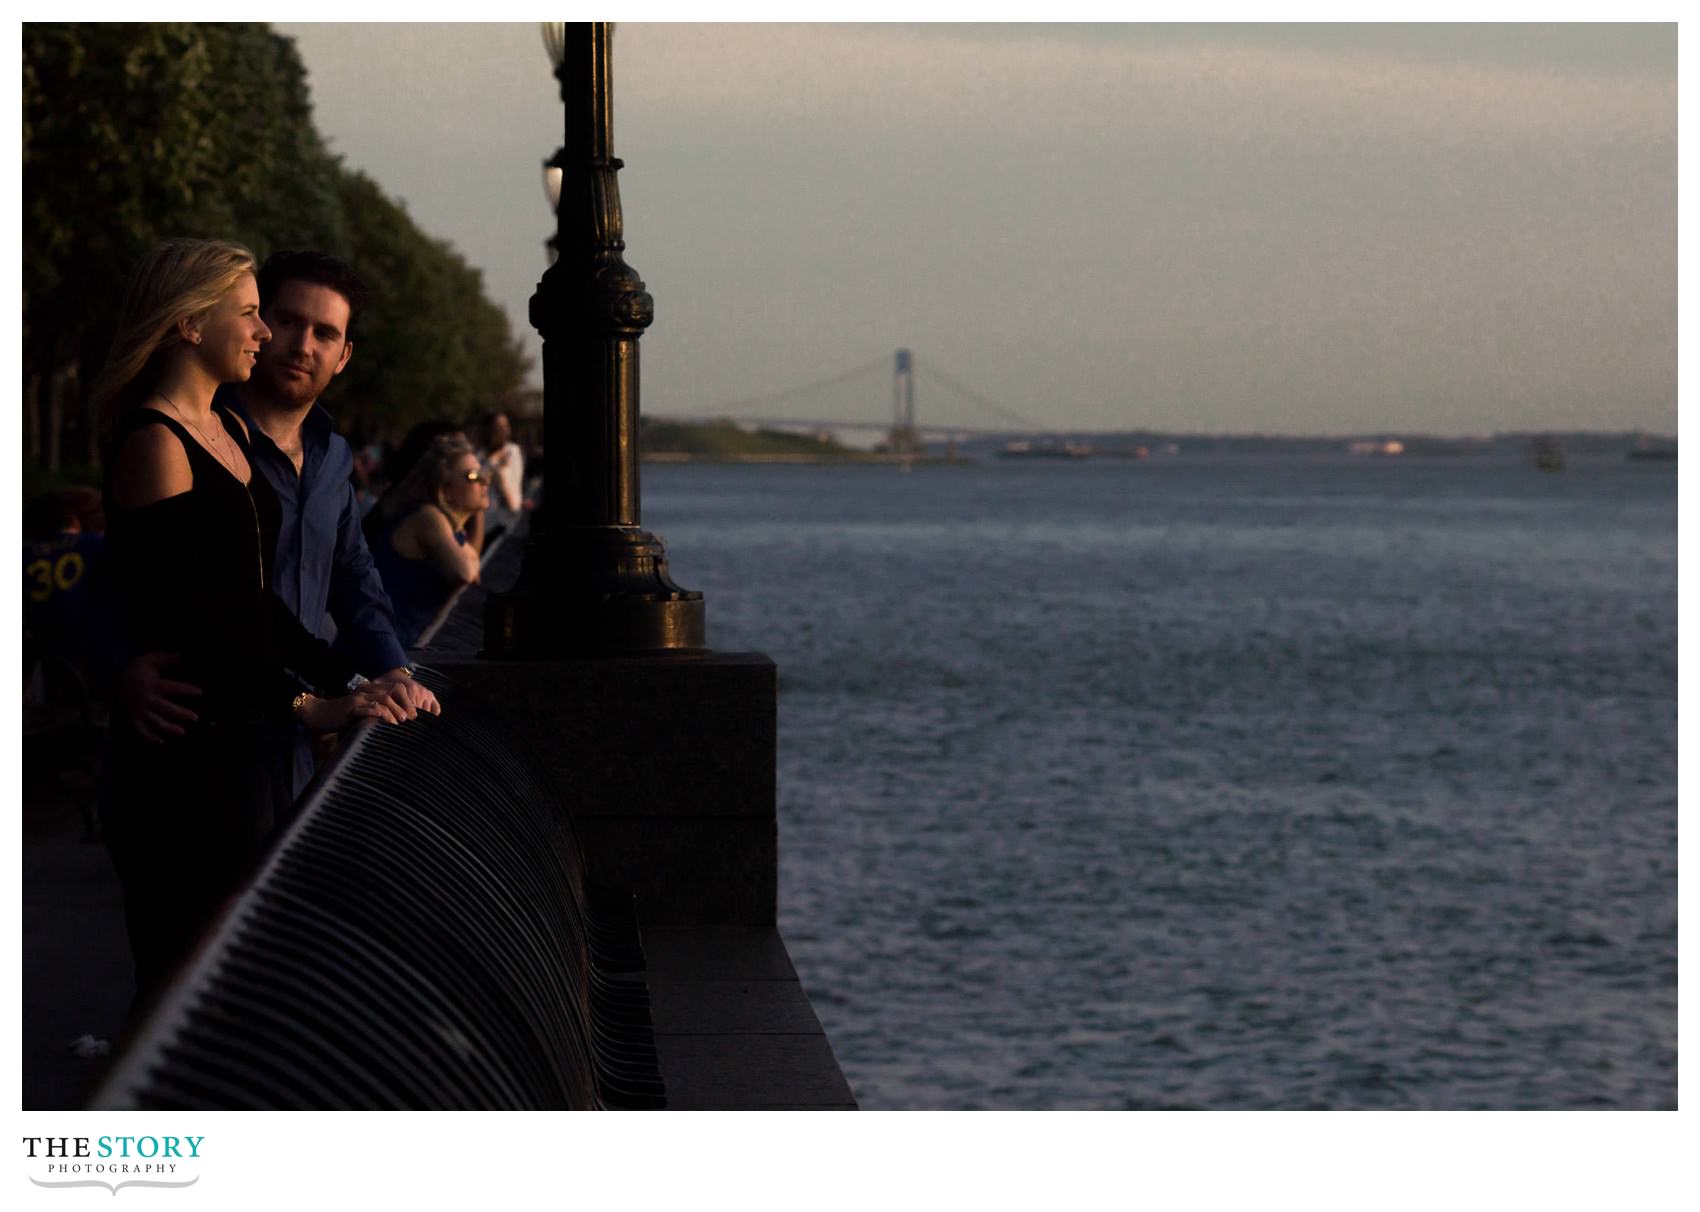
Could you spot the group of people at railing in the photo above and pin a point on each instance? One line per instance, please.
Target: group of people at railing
(238, 589)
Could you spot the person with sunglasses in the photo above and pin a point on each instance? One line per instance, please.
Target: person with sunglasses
(435, 542)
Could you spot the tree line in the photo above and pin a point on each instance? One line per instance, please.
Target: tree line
(137, 132)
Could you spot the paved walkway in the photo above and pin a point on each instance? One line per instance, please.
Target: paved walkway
(76, 973)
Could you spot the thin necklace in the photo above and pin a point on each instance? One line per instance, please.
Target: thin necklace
(214, 444)
(253, 508)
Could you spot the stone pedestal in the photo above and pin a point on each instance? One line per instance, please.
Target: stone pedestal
(666, 763)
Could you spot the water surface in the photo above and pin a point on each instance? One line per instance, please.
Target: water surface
(1227, 784)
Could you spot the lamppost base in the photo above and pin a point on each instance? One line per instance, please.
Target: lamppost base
(590, 590)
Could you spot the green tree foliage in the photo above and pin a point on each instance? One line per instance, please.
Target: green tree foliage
(136, 132)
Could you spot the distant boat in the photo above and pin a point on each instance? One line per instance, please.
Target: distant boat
(1378, 448)
(1647, 449)
(1546, 454)
(1027, 450)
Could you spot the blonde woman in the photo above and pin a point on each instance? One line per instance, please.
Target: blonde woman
(187, 798)
(435, 541)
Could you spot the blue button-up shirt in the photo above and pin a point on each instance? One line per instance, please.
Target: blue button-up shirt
(322, 569)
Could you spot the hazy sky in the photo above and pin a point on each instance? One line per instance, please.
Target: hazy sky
(1322, 229)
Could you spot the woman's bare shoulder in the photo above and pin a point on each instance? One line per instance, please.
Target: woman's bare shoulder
(421, 525)
(426, 519)
(149, 465)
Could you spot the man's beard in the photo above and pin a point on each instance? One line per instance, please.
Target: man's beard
(283, 389)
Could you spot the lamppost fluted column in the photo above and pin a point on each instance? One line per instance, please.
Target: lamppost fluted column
(593, 579)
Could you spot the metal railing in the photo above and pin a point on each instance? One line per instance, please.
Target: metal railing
(420, 937)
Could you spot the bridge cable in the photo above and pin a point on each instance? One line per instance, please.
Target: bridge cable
(1009, 414)
(731, 407)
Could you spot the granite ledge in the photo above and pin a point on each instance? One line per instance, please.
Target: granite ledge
(733, 1026)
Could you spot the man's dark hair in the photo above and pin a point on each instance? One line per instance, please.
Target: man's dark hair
(485, 426)
(321, 269)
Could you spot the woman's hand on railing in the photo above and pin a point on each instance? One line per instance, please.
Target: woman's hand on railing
(369, 702)
(411, 696)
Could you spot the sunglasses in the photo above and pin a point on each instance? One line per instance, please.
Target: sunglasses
(477, 477)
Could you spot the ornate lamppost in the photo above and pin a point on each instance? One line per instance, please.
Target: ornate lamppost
(552, 188)
(593, 580)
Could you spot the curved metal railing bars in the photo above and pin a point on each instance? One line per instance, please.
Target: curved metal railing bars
(420, 937)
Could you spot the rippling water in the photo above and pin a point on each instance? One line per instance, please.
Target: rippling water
(1217, 784)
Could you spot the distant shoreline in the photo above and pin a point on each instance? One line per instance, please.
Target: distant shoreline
(1301, 453)
(728, 441)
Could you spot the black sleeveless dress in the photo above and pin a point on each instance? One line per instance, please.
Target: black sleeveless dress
(186, 820)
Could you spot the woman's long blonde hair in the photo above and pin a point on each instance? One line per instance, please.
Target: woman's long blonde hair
(177, 280)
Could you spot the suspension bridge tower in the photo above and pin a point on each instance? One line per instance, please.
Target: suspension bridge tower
(904, 440)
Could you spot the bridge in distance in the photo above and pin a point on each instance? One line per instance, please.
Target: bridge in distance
(903, 430)
(811, 423)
